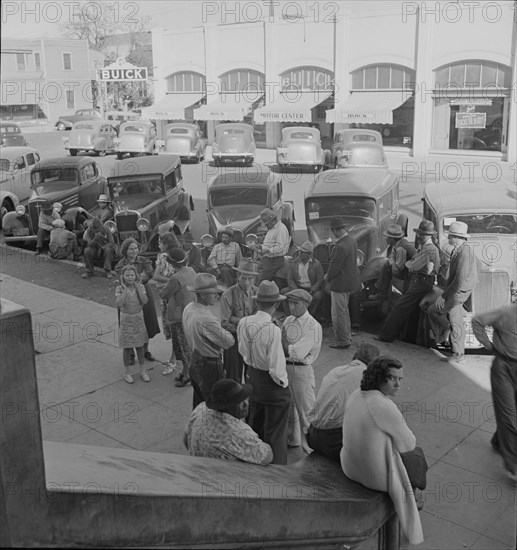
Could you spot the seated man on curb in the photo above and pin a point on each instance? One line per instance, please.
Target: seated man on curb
(306, 273)
(225, 256)
(100, 246)
(46, 216)
(325, 433)
(103, 211)
(216, 428)
(63, 243)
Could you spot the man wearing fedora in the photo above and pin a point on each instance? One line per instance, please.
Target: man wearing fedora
(422, 271)
(301, 336)
(260, 344)
(306, 273)
(225, 256)
(216, 429)
(177, 294)
(446, 314)
(63, 243)
(399, 251)
(206, 337)
(343, 279)
(46, 216)
(237, 302)
(275, 246)
(192, 251)
(103, 211)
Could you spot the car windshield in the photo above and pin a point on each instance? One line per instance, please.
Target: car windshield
(232, 131)
(53, 179)
(84, 126)
(363, 137)
(178, 131)
(119, 189)
(132, 128)
(331, 207)
(238, 196)
(500, 223)
(301, 135)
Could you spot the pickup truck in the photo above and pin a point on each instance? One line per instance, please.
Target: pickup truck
(66, 122)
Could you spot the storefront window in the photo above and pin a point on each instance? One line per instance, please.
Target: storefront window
(186, 81)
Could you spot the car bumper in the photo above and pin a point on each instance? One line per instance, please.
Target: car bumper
(17, 238)
(233, 156)
(299, 162)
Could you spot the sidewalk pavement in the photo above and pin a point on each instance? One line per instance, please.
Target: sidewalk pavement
(469, 501)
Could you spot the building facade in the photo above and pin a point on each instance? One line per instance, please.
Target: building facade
(433, 78)
(44, 79)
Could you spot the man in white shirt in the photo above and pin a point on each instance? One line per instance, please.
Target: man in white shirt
(275, 246)
(301, 337)
(325, 433)
(260, 344)
(225, 256)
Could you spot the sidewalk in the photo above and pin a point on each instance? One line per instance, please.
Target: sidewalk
(469, 502)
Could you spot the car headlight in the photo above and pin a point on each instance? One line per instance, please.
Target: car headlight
(360, 258)
(143, 225)
(111, 226)
(20, 210)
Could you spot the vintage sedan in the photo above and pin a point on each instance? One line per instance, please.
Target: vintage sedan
(234, 143)
(357, 147)
(92, 136)
(11, 135)
(301, 146)
(368, 201)
(185, 140)
(145, 192)
(75, 183)
(237, 198)
(16, 164)
(66, 122)
(490, 211)
(135, 138)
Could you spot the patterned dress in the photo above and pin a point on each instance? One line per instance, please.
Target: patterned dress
(165, 270)
(132, 331)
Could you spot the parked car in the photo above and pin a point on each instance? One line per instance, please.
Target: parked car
(116, 118)
(74, 182)
(9, 202)
(237, 198)
(66, 122)
(16, 164)
(489, 138)
(12, 135)
(185, 140)
(136, 137)
(491, 215)
(145, 192)
(368, 201)
(357, 147)
(92, 136)
(301, 146)
(234, 142)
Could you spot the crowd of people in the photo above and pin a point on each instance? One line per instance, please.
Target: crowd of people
(251, 365)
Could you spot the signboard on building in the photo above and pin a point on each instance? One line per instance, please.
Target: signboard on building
(263, 115)
(138, 74)
(471, 101)
(307, 78)
(471, 120)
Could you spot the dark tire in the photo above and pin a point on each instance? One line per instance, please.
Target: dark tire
(73, 152)
(7, 206)
(120, 156)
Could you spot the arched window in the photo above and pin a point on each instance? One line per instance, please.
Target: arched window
(185, 81)
(384, 76)
(473, 73)
(242, 80)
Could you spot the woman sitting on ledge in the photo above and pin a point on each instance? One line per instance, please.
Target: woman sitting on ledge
(374, 436)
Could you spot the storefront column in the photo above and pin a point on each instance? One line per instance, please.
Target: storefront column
(512, 128)
(423, 123)
(271, 84)
(342, 68)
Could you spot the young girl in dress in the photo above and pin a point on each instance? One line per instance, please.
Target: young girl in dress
(131, 296)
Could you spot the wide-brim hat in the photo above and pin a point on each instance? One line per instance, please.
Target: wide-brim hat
(227, 231)
(394, 231)
(46, 206)
(307, 246)
(103, 198)
(459, 229)
(337, 223)
(299, 295)
(176, 257)
(247, 267)
(228, 392)
(426, 227)
(205, 283)
(268, 292)
(267, 215)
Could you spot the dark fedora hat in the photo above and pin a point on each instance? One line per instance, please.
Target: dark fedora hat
(337, 223)
(394, 231)
(426, 227)
(176, 257)
(268, 292)
(228, 392)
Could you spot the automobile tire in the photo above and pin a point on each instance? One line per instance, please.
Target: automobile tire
(73, 152)
(120, 156)
(7, 206)
(61, 127)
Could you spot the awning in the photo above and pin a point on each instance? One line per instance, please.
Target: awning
(227, 107)
(291, 107)
(369, 107)
(171, 107)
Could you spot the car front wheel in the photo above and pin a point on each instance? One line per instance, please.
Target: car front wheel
(7, 206)
(120, 156)
(61, 126)
(73, 152)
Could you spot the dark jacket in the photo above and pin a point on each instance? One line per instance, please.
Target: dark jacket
(463, 274)
(343, 273)
(315, 273)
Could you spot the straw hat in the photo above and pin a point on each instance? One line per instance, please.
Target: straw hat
(459, 229)
(247, 267)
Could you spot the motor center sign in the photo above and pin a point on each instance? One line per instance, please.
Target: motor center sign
(120, 74)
